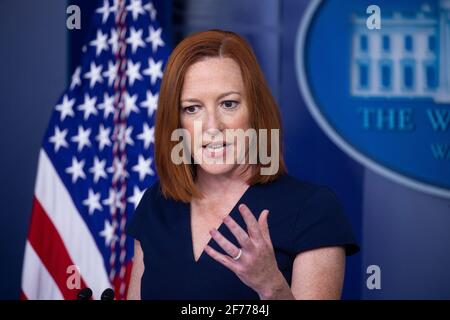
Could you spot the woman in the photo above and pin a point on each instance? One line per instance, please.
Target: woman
(215, 229)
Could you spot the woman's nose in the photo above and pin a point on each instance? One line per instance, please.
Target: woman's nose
(212, 121)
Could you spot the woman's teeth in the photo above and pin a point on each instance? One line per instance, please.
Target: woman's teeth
(215, 147)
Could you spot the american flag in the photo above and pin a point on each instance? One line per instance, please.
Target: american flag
(97, 158)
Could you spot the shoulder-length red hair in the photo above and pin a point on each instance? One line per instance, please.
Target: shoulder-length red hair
(177, 181)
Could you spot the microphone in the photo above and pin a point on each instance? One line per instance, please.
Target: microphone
(108, 294)
(84, 294)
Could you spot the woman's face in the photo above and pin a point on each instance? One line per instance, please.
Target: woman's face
(212, 101)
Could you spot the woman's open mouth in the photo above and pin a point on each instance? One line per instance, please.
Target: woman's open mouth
(215, 149)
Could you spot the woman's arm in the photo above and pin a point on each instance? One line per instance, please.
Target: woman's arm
(319, 274)
(134, 289)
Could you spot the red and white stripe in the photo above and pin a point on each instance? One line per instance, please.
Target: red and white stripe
(58, 238)
(118, 216)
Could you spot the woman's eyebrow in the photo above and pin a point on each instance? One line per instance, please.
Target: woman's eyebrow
(226, 94)
(222, 95)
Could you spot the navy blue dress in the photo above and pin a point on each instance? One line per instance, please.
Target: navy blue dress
(302, 216)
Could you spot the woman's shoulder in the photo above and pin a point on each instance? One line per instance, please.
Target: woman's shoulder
(138, 221)
(153, 194)
(319, 217)
(290, 188)
(153, 189)
(153, 200)
(154, 204)
(150, 193)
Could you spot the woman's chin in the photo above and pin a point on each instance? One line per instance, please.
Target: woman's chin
(218, 162)
(217, 168)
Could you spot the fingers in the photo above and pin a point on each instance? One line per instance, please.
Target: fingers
(224, 243)
(221, 258)
(262, 221)
(237, 231)
(251, 222)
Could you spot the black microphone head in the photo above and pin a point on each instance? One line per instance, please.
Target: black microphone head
(108, 294)
(84, 294)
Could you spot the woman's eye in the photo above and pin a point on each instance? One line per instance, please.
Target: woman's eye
(230, 104)
(190, 109)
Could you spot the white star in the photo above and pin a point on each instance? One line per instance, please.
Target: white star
(133, 71)
(115, 6)
(151, 9)
(104, 11)
(154, 70)
(65, 107)
(154, 38)
(136, 197)
(82, 138)
(98, 169)
(103, 137)
(94, 75)
(107, 105)
(114, 199)
(124, 135)
(151, 103)
(114, 41)
(130, 104)
(143, 167)
(93, 202)
(118, 170)
(59, 139)
(108, 233)
(88, 106)
(111, 73)
(147, 135)
(100, 43)
(135, 39)
(136, 8)
(76, 80)
(76, 170)
(128, 139)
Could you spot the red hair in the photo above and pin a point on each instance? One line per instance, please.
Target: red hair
(178, 181)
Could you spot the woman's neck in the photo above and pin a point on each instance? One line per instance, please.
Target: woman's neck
(211, 185)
